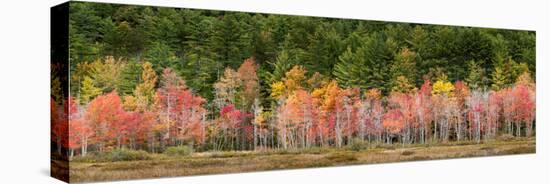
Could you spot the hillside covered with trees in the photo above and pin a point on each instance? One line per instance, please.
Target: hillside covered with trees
(148, 78)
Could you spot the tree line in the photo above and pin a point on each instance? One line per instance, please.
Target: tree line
(148, 78)
(199, 44)
(307, 112)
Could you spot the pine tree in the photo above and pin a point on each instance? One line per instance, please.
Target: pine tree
(282, 64)
(402, 84)
(325, 47)
(502, 63)
(368, 66)
(161, 56)
(502, 75)
(199, 67)
(354, 41)
(129, 78)
(88, 90)
(198, 73)
(263, 46)
(476, 75)
(85, 24)
(231, 40)
(420, 42)
(403, 71)
(347, 68)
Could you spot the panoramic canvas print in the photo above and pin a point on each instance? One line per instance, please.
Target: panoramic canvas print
(143, 92)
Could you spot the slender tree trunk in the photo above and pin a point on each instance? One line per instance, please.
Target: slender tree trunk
(84, 146)
(435, 136)
(255, 137)
(478, 136)
(338, 130)
(518, 129)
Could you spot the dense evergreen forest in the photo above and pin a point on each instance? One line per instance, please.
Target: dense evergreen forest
(150, 78)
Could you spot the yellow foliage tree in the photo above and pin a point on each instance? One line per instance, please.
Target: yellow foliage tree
(329, 97)
(145, 91)
(442, 87)
(293, 79)
(373, 93)
(106, 74)
(130, 103)
(291, 82)
(88, 90)
(277, 89)
(403, 85)
(526, 80)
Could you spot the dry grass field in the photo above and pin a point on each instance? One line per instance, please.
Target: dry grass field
(160, 165)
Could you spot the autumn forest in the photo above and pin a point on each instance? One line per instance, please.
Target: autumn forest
(166, 80)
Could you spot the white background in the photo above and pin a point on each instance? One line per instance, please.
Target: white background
(24, 90)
